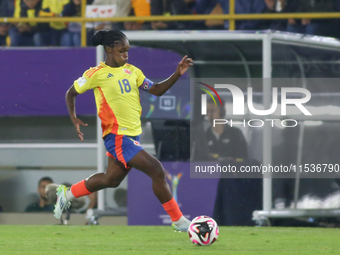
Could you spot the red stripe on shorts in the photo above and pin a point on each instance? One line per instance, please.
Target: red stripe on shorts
(110, 155)
(119, 150)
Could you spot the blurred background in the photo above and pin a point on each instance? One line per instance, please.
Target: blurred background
(40, 60)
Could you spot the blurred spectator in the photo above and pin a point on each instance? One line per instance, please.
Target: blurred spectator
(105, 25)
(93, 197)
(72, 37)
(322, 27)
(22, 33)
(139, 8)
(241, 6)
(42, 204)
(167, 8)
(208, 7)
(4, 34)
(224, 141)
(52, 36)
(125, 8)
(236, 199)
(215, 23)
(279, 6)
(6, 8)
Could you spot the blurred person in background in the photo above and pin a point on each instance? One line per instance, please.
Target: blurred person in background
(107, 25)
(222, 7)
(139, 8)
(4, 39)
(93, 197)
(322, 27)
(51, 36)
(124, 8)
(22, 33)
(72, 37)
(236, 198)
(171, 7)
(6, 8)
(279, 6)
(224, 141)
(208, 7)
(42, 205)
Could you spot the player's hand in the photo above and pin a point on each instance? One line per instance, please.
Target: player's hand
(184, 65)
(77, 122)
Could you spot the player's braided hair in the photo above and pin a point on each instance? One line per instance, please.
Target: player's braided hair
(107, 37)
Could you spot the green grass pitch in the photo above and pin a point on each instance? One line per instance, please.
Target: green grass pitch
(98, 240)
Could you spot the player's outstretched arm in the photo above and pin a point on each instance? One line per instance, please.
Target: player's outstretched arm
(70, 98)
(160, 88)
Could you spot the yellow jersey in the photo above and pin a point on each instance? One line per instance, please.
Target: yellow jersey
(52, 8)
(116, 92)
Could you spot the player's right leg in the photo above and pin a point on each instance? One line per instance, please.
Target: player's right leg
(115, 173)
(151, 166)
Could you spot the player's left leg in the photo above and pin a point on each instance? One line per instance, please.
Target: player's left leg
(149, 165)
(114, 175)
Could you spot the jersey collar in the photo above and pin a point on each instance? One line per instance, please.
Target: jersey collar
(115, 68)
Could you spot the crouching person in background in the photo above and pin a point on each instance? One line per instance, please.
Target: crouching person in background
(41, 205)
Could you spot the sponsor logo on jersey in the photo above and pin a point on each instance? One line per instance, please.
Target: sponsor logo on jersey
(127, 71)
(81, 81)
(109, 75)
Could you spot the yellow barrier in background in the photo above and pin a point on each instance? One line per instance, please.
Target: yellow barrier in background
(231, 17)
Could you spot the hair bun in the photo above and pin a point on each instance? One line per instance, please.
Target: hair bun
(98, 37)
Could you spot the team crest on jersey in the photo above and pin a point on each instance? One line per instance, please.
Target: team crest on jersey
(127, 71)
(145, 85)
(136, 143)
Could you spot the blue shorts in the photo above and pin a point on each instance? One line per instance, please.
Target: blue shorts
(121, 147)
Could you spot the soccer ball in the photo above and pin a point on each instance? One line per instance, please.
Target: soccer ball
(203, 230)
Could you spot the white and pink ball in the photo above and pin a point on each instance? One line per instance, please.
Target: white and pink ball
(203, 230)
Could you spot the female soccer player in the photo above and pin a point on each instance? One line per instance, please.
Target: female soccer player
(116, 86)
